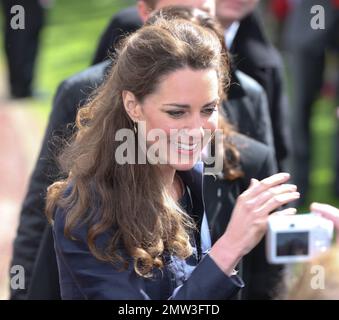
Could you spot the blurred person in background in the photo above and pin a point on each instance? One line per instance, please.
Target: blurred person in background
(132, 18)
(22, 45)
(275, 13)
(307, 48)
(255, 55)
(324, 268)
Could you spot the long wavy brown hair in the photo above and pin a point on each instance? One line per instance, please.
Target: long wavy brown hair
(131, 199)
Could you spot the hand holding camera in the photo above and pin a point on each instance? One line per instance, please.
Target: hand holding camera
(328, 212)
(299, 238)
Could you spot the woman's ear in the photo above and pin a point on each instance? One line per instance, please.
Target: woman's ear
(131, 105)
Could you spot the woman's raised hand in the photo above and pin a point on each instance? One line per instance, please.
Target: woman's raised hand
(248, 223)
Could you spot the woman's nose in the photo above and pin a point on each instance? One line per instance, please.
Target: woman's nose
(195, 122)
(194, 128)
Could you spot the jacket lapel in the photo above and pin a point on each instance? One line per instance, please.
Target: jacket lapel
(194, 180)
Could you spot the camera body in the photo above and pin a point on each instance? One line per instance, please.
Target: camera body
(297, 238)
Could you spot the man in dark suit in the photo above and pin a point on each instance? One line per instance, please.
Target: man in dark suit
(254, 55)
(71, 94)
(21, 45)
(132, 18)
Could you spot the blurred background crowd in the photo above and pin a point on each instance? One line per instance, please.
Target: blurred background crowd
(62, 39)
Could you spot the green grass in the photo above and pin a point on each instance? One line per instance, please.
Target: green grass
(68, 43)
(323, 124)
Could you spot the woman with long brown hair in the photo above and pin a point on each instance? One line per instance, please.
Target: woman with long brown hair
(137, 230)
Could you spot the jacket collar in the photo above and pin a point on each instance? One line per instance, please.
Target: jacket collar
(193, 179)
(235, 90)
(251, 45)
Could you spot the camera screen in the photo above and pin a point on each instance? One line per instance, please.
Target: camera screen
(292, 243)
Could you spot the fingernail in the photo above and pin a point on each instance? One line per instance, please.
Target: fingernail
(286, 174)
(315, 205)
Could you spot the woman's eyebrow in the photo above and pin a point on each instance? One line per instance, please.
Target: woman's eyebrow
(187, 106)
(184, 106)
(210, 103)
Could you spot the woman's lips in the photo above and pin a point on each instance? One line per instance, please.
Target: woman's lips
(188, 149)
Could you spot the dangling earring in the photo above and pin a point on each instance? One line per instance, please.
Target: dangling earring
(135, 127)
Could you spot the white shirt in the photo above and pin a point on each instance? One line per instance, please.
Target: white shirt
(230, 33)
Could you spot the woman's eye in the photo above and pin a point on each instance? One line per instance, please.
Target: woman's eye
(209, 111)
(176, 114)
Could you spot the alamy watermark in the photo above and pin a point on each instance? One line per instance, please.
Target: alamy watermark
(18, 17)
(318, 280)
(318, 19)
(17, 281)
(17, 21)
(174, 147)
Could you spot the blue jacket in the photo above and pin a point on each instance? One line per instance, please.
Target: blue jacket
(82, 276)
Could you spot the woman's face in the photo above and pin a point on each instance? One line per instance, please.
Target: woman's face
(184, 107)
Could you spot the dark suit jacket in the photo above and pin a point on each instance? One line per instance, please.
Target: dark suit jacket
(125, 22)
(254, 55)
(247, 110)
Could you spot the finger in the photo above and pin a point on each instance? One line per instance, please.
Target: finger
(327, 211)
(272, 192)
(266, 184)
(287, 212)
(278, 201)
(324, 208)
(253, 182)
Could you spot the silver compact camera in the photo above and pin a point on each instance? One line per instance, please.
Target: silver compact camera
(297, 238)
